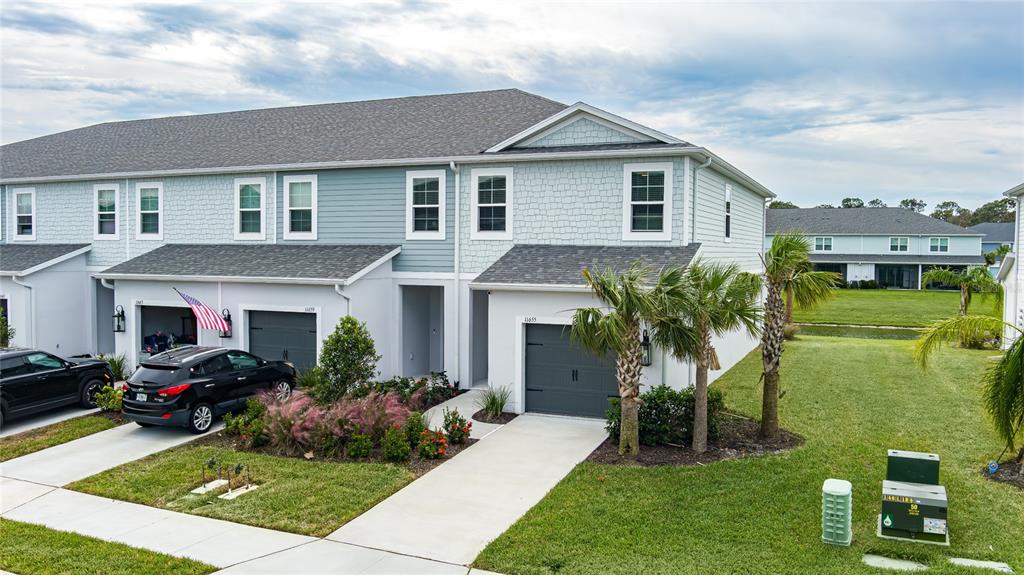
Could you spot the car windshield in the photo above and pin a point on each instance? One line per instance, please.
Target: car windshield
(159, 374)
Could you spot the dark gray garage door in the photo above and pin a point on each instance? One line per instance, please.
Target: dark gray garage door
(564, 378)
(281, 335)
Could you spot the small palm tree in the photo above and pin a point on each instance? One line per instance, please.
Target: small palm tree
(970, 280)
(787, 268)
(718, 299)
(1003, 381)
(632, 304)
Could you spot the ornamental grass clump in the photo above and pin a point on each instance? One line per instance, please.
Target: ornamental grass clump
(494, 400)
(374, 414)
(290, 424)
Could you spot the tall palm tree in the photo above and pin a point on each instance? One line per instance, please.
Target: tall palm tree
(1003, 381)
(787, 268)
(632, 304)
(970, 280)
(718, 299)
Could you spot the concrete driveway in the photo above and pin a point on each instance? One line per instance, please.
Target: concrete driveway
(451, 513)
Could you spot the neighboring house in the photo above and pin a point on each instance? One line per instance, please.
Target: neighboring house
(997, 235)
(1012, 275)
(892, 246)
(455, 226)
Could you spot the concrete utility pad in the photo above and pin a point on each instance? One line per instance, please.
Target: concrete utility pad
(993, 565)
(893, 564)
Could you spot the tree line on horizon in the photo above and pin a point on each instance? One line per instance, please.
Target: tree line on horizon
(996, 211)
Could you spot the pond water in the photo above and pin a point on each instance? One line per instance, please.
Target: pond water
(866, 332)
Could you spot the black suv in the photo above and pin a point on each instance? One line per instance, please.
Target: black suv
(189, 386)
(32, 381)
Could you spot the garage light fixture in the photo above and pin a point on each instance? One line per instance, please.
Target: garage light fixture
(118, 319)
(227, 319)
(645, 350)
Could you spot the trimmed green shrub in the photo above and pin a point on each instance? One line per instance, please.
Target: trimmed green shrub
(455, 426)
(248, 426)
(414, 427)
(348, 358)
(666, 415)
(359, 446)
(109, 398)
(396, 446)
(6, 331)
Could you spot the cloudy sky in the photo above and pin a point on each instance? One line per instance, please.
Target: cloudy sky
(818, 101)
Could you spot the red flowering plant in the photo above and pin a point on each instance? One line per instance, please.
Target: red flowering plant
(433, 444)
(455, 426)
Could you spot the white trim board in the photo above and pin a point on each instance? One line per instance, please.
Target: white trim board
(237, 187)
(474, 203)
(442, 200)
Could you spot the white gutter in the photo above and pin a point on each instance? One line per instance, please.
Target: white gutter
(458, 287)
(106, 283)
(529, 287)
(339, 289)
(472, 159)
(31, 309)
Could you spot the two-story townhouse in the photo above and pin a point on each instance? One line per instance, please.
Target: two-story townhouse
(1011, 275)
(455, 226)
(892, 246)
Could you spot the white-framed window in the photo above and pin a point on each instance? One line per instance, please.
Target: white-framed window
(149, 211)
(300, 207)
(938, 244)
(250, 205)
(822, 244)
(728, 212)
(491, 204)
(425, 204)
(107, 221)
(899, 244)
(647, 202)
(24, 214)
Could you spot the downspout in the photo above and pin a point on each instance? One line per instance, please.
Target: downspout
(458, 284)
(31, 309)
(106, 283)
(339, 289)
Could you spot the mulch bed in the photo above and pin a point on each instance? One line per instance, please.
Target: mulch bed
(1009, 472)
(737, 437)
(504, 418)
(415, 464)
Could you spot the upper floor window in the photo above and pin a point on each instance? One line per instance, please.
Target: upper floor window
(425, 204)
(492, 204)
(822, 244)
(300, 207)
(728, 212)
(24, 213)
(107, 222)
(149, 197)
(249, 202)
(938, 245)
(647, 202)
(901, 244)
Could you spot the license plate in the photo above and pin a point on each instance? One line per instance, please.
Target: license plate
(140, 397)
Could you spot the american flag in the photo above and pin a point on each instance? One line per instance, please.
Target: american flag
(205, 316)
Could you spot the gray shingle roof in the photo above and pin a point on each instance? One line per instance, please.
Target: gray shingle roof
(332, 263)
(594, 147)
(995, 232)
(562, 265)
(413, 127)
(16, 258)
(934, 260)
(895, 221)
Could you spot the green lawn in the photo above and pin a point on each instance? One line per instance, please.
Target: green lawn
(61, 432)
(307, 497)
(852, 399)
(34, 550)
(889, 307)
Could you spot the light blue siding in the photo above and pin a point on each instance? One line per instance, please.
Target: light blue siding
(368, 206)
(879, 244)
(747, 226)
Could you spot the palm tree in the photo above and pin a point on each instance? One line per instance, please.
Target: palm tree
(787, 268)
(970, 281)
(1003, 381)
(718, 299)
(632, 305)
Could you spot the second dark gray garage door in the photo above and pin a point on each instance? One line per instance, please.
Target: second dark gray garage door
(563, 378)
(282, 335)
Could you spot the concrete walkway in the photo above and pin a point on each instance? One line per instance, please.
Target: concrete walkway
(78, 459)
(465, 404)
(43, 419)
(451, 513)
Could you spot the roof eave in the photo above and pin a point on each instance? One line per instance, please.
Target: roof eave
(1015, 191)
(48, 263)
(580, 288)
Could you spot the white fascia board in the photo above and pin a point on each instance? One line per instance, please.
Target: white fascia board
(47, 263)
(223, 279)
(1006, 266)
(580, 107)
(1015, 191)
(529, 287)
(359, 274)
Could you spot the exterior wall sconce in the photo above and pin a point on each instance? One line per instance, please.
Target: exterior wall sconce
(645, 350)
(226, 315)
(118, 319)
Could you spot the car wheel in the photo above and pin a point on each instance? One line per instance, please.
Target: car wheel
(143, 424)
(89, 391)
(282, 390)
(200, 418)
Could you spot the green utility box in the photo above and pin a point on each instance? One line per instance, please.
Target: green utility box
(836, 512)
(912, 467)
(913, 511)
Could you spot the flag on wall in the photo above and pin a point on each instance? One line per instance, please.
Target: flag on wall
(206, 317)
